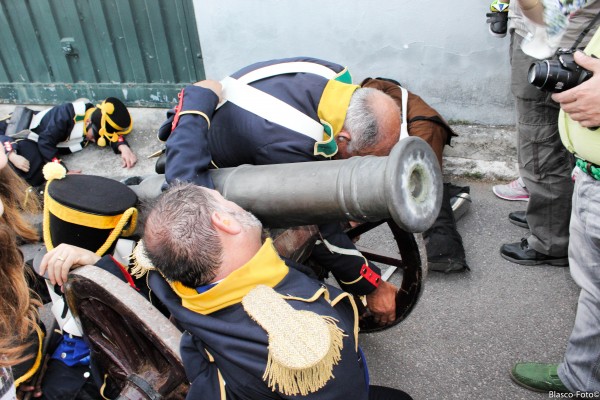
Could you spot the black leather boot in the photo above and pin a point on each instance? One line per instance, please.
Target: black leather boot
(445, 251)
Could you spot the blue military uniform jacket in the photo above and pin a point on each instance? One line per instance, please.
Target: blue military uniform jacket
(55, 127)
(225, 352)
(231, 136)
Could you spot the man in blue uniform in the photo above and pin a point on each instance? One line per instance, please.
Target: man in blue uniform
(65, 129)
(255, 328)
(283, 111)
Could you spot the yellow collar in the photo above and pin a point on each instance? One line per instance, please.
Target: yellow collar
(332, 113)
(265, 268)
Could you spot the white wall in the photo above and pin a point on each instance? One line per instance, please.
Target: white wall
(440, 50)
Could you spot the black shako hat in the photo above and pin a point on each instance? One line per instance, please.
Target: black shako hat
(110, 119)
(88, 211)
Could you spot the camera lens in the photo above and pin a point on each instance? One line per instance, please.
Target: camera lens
(538, 74)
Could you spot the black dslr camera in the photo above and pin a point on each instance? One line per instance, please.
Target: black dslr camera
(559, 74)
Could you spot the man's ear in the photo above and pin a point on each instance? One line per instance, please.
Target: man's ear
(342, 140)
(223, 222)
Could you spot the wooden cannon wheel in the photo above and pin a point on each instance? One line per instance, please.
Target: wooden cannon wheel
(410, 257)
(132, 344)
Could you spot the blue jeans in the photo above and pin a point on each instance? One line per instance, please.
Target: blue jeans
(580, 369)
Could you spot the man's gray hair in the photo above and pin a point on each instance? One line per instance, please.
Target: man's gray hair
(179, 236)
(361, 120)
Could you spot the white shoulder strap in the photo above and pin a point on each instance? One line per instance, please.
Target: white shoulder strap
(73, 143)
(288, 68)
(37, 118)
(269, 107)
(78, 106)
(404, 125)
(123, 250)
(67, 323)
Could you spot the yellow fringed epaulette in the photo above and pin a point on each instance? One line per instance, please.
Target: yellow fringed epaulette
(141, 264)
(303, 346)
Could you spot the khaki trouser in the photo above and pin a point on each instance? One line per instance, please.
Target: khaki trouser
(544, 163)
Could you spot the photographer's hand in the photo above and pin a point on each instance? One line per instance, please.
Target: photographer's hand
(582, 102)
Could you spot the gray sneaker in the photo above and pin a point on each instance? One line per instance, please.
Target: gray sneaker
(514, 191)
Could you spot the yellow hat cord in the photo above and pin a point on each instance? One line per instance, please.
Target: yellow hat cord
(118, 230)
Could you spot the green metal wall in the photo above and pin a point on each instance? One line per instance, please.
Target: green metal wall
(142, 51)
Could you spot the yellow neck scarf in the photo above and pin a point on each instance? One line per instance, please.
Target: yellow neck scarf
(265, 268)
(332, 113)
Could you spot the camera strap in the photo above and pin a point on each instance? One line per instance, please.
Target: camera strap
(584, 33)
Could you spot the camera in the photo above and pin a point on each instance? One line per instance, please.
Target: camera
(559, 74)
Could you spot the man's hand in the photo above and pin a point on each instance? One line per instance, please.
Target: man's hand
(215, 86)
(382, 303)
(19, 162)
(62, 259)
(582, 102)
(127, 157)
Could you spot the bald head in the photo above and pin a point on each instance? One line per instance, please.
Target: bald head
(372, 124)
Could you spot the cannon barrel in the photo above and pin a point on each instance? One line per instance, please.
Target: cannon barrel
(406, 186)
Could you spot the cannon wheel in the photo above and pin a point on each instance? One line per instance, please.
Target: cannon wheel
(297, 243)
(131, 341)
(411, 258)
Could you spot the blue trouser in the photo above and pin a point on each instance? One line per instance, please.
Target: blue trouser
(581, 367)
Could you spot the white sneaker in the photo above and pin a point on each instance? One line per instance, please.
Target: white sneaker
(514, 191)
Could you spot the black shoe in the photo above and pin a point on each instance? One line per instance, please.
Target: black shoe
(519, 218)
(521, 253)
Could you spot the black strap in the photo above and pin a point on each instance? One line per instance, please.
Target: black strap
(584, 33)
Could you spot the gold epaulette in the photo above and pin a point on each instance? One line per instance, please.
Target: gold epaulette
(303, 346)
(141, 263)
